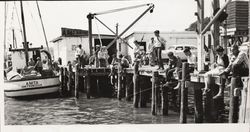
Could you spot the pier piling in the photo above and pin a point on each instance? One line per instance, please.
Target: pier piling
(153, 98)
(77, 81)
(69, 83)
(136, 85)
(184, 94)
(198, 102)
(164, 100)
(234, 103)
(119, 80)
(87, 81)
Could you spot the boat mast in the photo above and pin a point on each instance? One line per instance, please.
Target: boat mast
(5, 20)
(25, 44)
(42, 26)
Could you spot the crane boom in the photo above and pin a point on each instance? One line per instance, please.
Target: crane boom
(90, 16)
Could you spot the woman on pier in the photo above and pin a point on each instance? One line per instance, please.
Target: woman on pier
(221, 63)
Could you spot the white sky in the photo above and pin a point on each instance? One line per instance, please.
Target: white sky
(168, 15)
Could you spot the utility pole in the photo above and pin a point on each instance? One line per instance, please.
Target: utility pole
(200, 37)
(117, 41)
(215, 30)
(90, 17)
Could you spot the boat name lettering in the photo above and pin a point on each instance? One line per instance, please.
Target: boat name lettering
(32, 84)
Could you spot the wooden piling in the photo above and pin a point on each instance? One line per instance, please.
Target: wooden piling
(234, 103)
(128, 93)
(142, 91)
(69, 84)
(119, 80)
(87, 81)
(136, 85)
(209, 102)
(76, 94)
(184, 94)
(153, 98)
(243, 105)
(164, 100)
(198, 102)
(65, 90)
(62, 80)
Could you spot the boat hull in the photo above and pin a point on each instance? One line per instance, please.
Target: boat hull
(31, 87)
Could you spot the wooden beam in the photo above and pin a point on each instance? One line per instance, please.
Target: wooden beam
(215, 17)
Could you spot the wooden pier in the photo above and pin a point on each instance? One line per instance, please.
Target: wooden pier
(145, 85)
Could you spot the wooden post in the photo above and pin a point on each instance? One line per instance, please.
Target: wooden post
(136, 86)
(65, 90)
(242, 112)
(142, 92)
(128, 85)
(198, 103)
(209, 102)
(62, 80)
(87, 81)
(164, 100)
(77, 80)
(69, 84)
(234, 103)
(184, 94)
(154, 84)
(119, 80)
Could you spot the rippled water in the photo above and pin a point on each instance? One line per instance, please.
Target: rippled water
(63, 111)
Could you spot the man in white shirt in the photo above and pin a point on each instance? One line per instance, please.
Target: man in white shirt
(79, 55)
(191, 58)
(158, 43)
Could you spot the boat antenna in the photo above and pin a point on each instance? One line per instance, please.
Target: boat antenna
(46, 40)
(25, 44)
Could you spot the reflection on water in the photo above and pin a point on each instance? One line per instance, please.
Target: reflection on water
(63, 111)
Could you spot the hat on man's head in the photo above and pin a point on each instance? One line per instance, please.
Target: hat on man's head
(170, 53)
(156, 31)
(219, 49)
(186, 50)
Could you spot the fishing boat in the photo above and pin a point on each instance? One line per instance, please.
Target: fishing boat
(23, 79)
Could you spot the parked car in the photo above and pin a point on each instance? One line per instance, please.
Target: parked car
(178, 51)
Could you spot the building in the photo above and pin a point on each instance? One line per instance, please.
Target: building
(65, 45)
(172, 38)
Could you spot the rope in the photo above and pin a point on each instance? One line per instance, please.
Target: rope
(99, 36)
(42, 25)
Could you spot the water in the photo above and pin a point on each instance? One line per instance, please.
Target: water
(66, 111)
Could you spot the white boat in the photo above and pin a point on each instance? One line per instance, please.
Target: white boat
(31, 86)
(21, 79)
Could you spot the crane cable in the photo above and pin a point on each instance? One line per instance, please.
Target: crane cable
(99, 36)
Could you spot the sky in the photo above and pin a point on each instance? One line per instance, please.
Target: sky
(168, 15)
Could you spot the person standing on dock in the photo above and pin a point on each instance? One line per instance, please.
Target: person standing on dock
(151, 52)
(159, 43)
(79, 55)
(191, 59)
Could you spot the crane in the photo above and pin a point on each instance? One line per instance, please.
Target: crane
(91, 16)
